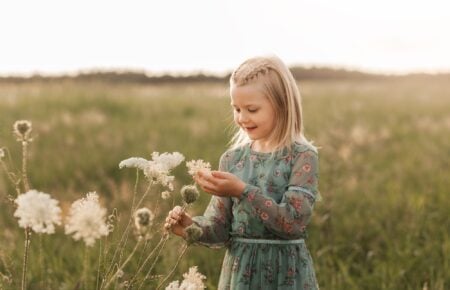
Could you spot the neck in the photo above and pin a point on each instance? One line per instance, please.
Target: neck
(264, 147)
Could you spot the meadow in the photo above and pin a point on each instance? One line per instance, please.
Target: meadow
(384, 144)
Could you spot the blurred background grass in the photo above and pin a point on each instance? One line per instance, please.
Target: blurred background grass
(384, 172)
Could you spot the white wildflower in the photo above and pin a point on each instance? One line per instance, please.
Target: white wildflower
(175, 285)
(194, 166)
(134, 162)
(158, 169)
(38, 211)
(165, 194)
(168, 160)
(87, 219)
(193, 280)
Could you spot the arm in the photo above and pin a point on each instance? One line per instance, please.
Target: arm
(216, 221)
(289, 218)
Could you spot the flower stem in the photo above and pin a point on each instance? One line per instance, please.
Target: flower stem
(176, 264)
(162, 241)
(25, 257)
(123, 264)
(24, 165)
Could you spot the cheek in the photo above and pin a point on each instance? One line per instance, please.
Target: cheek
(235, 118)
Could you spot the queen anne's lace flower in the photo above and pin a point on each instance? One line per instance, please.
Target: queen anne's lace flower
(87, 219)
(194, 166)
(38, 211)
(158, 169)
(193, 280)
(168, 160)
(134, 162)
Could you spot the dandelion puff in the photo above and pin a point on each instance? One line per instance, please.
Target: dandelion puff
(143, 220)
(22, 130)
(194, 166)
(193, 280)
(134, 162)
(38, 211)
(189, 193)
(87, 219)
(193, 233)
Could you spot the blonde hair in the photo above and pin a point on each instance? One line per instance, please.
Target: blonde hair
(280, 87)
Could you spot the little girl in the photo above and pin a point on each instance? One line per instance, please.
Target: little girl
(264, 192)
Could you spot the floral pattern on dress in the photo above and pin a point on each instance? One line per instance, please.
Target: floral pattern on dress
(276, 204)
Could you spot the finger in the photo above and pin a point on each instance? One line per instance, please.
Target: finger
(219, 174)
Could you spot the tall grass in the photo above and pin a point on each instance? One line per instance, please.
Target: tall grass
(383, 223)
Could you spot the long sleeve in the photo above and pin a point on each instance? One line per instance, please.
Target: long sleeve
(216, 221)
(289, 218)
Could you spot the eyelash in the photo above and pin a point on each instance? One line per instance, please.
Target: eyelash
(251, 111)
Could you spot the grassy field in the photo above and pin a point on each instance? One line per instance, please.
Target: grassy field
(384, 174)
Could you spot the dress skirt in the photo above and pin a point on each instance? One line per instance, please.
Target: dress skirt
(253, 264)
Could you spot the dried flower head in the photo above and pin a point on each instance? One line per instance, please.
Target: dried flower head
(134, 162)
(194, 166)
(87, 219)
(143, 219)
(22, 129)
(189, 193)
(193, 233)
(38, 211)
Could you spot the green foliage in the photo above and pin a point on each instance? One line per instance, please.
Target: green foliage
(383, 222)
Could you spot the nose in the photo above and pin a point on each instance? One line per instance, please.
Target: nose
(242, 118)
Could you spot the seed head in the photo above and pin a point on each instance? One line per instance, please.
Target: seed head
(189, 193)
(193, 233)
(22, 129)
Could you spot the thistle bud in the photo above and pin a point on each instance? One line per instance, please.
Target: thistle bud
(22, 129)
(193, 233)
(189, 193)
(143, 219)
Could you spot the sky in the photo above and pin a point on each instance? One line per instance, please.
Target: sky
(212, 36)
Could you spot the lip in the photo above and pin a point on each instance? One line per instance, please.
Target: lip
(250, 129)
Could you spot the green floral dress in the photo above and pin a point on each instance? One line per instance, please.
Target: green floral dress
(264, 230)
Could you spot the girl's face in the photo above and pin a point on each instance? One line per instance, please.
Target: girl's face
(253, 112)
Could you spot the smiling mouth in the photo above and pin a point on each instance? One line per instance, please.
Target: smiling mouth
(250, 128)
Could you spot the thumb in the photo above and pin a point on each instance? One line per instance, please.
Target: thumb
(219, 174)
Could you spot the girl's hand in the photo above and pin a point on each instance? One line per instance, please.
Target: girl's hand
(220, 183)
(177, 220)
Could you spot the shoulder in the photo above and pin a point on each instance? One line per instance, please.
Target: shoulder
(303, 147)
(233, 155)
